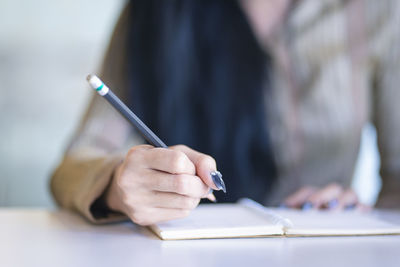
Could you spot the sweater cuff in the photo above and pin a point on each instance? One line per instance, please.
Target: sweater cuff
(91, 203)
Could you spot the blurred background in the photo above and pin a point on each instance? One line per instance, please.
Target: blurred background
(46, 50)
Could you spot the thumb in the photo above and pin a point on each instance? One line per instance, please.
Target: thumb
(206, 167)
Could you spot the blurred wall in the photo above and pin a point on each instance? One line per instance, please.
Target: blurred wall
(46, 50)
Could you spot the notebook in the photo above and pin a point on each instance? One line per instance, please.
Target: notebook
(250, 219)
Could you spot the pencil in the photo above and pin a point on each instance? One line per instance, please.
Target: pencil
(145, 131)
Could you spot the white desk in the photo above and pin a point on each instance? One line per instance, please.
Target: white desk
(60, 238)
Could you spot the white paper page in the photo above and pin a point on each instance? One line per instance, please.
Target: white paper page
(218, 221)
(336, 223)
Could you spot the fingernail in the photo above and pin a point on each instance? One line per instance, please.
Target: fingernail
(217, 179)
(350, 206)
(333, 204)
(307, 206)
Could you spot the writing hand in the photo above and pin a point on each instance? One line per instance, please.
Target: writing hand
(153, 185)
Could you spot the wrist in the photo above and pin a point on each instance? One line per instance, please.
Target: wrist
(111, 194)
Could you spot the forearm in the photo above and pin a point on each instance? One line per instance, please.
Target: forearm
(81, 179)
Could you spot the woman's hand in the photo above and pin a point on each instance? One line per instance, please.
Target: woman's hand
(332, 197)
(157, 184)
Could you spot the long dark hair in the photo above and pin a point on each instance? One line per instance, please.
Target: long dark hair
(197, 77)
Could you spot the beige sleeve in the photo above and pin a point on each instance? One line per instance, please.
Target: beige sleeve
(99, 144)
(386, 100)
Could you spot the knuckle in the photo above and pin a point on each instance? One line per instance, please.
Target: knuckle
(178, 162)
(139, 218)
(125, 198)
(126, 183)
(131, 201)
(181, 184)
(133, 152)
(136, 151)
(135, 217)
(205, 160)
(206, 191)
(121, 182)
(189, 203)
(180, 147)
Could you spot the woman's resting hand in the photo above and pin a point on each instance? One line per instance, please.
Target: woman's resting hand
(331, 197)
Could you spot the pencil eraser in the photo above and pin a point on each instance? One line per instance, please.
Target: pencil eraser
(94, 81)
(97, 84)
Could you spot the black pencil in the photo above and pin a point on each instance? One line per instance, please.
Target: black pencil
(145, 131)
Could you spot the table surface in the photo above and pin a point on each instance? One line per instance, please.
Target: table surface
(60, 238)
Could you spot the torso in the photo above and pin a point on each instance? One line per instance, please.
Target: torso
(319, 99)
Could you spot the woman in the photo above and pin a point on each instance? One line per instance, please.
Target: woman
(276, 91)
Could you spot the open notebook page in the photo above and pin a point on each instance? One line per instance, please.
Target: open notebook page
(219, 221)
(322, 223)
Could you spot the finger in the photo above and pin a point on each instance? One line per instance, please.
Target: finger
(322, 198)
(347, 200)
(204, 164)
(211, 197)
(183, 184)
(297, 199)
(172, 201)
(151, 216)
(170, 161)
